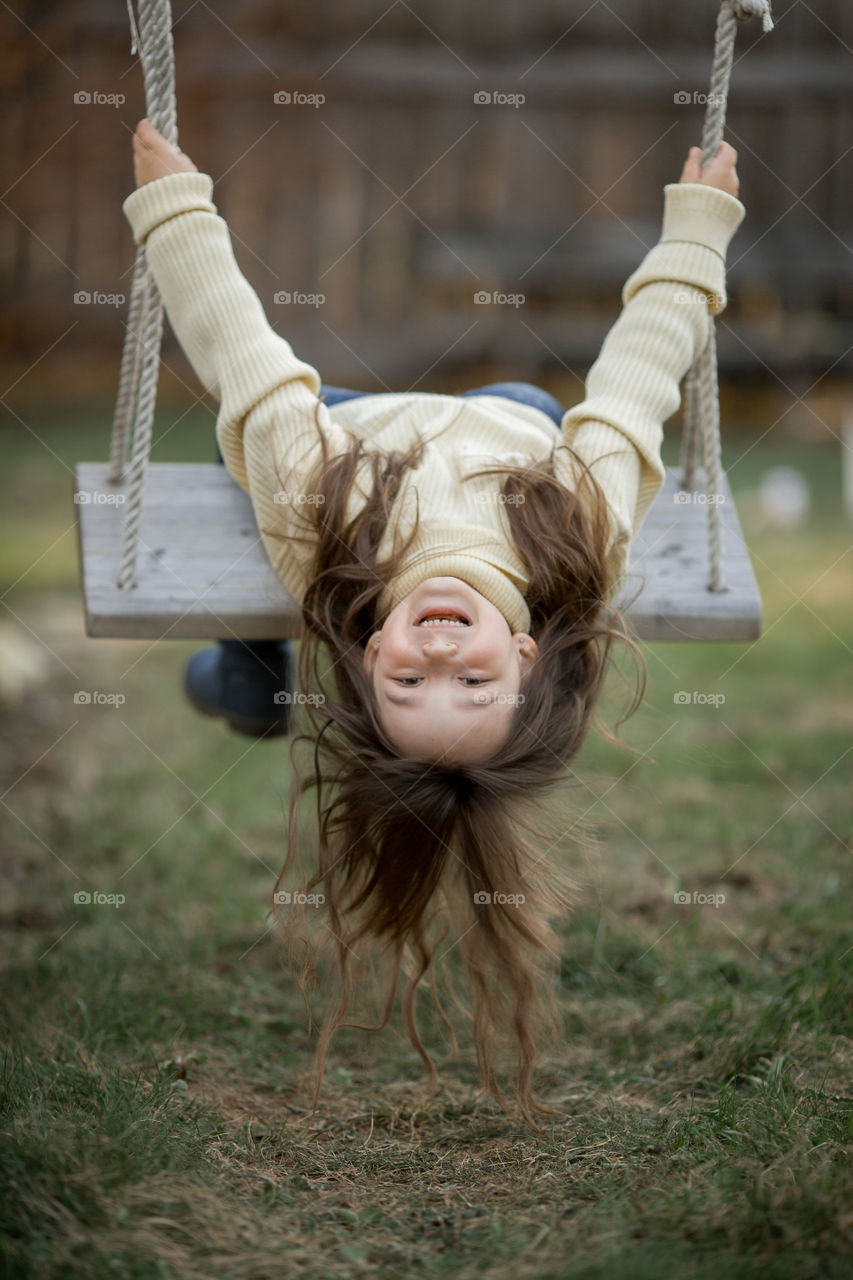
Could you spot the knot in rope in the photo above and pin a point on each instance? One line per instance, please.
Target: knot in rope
(744, 9)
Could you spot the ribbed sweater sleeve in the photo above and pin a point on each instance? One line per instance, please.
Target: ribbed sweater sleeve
(221, 324)
(633, 386)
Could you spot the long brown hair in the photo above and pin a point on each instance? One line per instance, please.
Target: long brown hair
(408, 853)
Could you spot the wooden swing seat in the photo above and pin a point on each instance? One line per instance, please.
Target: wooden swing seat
(203, 572)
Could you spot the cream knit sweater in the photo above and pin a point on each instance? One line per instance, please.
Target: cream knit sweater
(266, 425)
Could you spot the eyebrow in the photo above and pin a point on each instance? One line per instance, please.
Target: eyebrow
(406, 701)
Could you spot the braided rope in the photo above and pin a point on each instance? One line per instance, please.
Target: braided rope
(140, 360)
(690, 436)
(702, 396)
(128, 379)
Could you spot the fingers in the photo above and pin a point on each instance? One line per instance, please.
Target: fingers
(146, 129)
(692, 165)
(155, 156)
(726, 157)
(147, 136)
(719, 172)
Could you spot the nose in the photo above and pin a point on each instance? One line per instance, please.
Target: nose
(439, 647)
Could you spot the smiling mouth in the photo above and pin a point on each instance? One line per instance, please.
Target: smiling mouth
(443, 618)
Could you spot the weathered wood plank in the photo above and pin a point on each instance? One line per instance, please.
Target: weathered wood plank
(203, 571)
(670, 564)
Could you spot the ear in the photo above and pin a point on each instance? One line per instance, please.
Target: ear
(528, 651)
(371, 652)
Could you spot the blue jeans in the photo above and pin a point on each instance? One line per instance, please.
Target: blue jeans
(523, 392)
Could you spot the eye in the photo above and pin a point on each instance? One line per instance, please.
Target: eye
(412, 682)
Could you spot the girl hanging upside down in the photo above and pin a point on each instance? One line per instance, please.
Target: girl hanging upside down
(456, 559)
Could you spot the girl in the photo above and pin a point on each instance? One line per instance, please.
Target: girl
(456, 559)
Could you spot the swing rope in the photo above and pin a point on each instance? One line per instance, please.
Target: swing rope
(701, 389)
(140, 361)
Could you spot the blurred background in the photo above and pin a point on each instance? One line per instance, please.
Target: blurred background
(385, 186)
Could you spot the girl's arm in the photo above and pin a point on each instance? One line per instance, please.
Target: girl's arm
(219, 319)
(633, 386)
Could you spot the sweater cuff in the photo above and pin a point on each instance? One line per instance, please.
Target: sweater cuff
(701, 214)
(164, 198)
(698, 223)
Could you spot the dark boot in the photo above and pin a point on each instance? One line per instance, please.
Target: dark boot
(248, 682)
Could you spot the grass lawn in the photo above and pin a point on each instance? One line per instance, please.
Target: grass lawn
(157, 1062)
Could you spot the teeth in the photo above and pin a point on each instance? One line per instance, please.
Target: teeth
(439, 621)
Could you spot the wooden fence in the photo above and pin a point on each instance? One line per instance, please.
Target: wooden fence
(386, 188)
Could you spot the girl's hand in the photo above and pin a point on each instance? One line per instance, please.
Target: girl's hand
(154, 157)
(720, 172)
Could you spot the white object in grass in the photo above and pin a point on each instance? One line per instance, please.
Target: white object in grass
(784, 497)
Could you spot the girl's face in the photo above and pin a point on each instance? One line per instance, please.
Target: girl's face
(447, 670)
